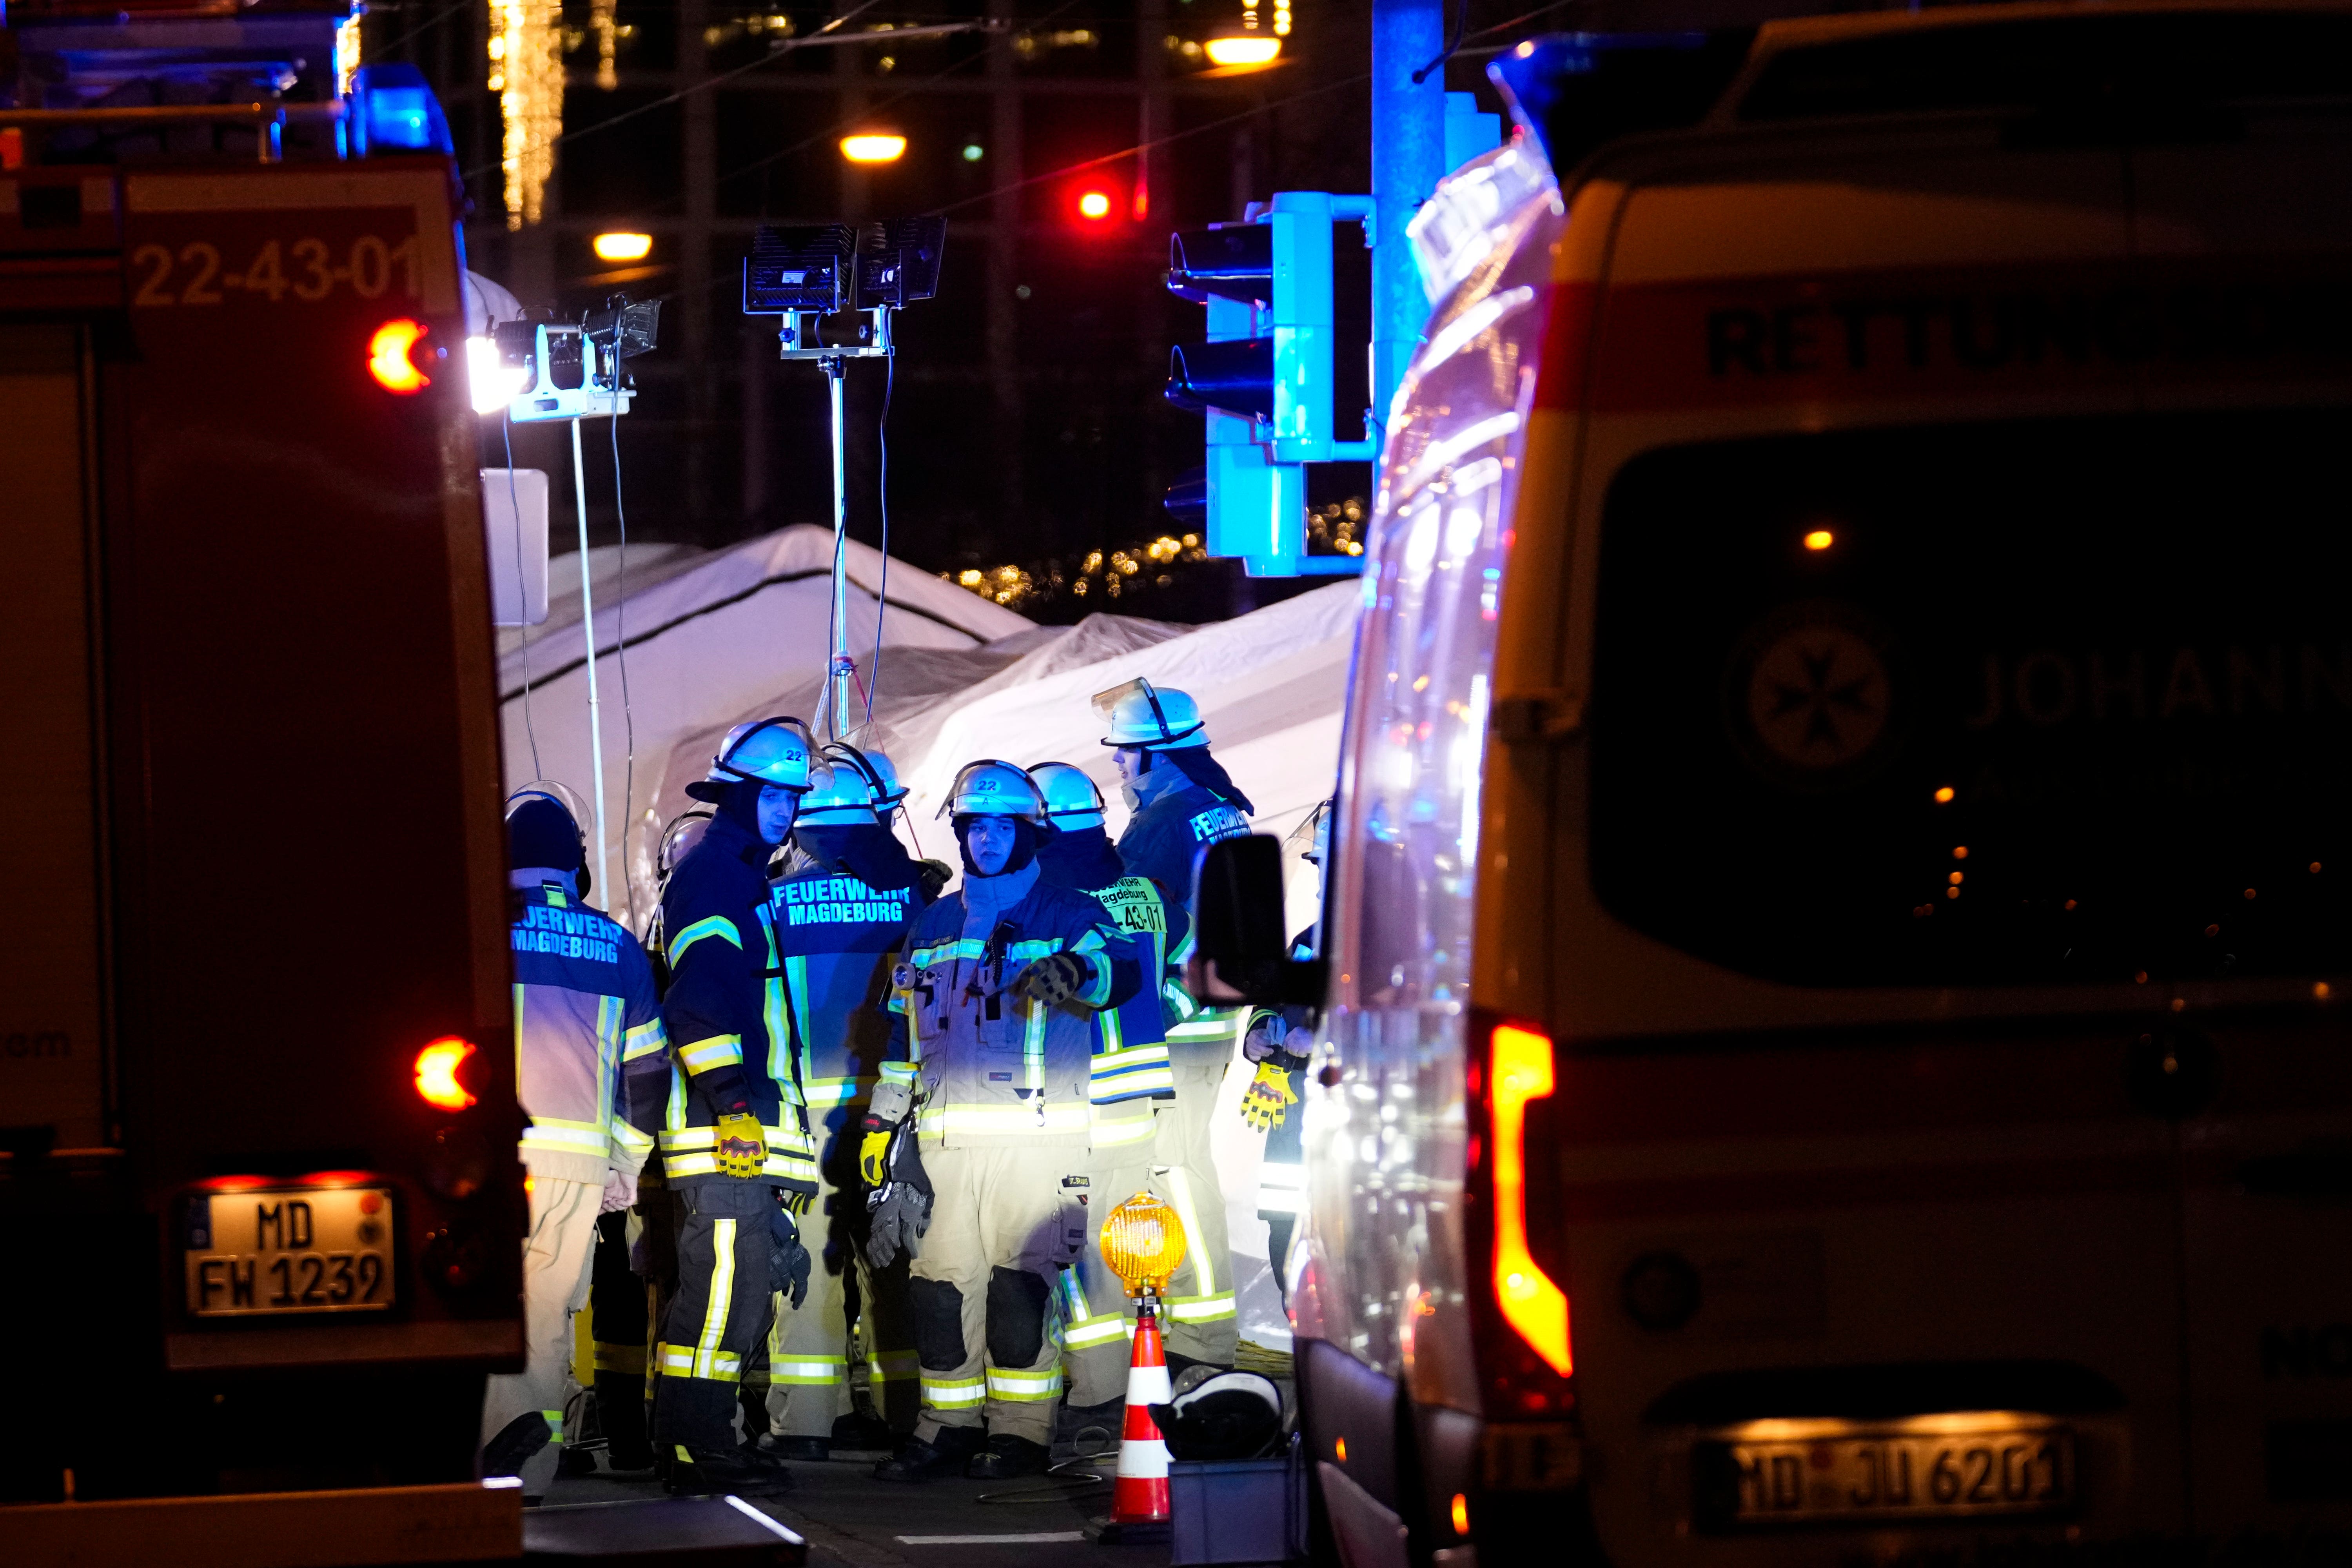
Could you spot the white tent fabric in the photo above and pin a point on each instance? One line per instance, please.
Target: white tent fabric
(737, 635)
(709, 634)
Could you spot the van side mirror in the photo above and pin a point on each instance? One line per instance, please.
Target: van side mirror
(1240, 952)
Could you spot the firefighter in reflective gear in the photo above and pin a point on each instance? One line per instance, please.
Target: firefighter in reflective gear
(734, 1142)
(842, 904)
(1182, 800)
(636, 1263)
(592, 1067)
(1131, 1081)
(998, 989)
(1279, 1042)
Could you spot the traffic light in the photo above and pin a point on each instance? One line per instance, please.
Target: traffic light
(1263, 378)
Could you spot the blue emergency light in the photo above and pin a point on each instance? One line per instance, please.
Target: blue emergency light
(393, 111)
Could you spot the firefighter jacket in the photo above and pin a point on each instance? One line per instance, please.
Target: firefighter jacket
(995, 1067)
(1169, 828)
(839, 937)
(1162, 838)
(587, 1029)
(1130, 1039)
(727, 1013)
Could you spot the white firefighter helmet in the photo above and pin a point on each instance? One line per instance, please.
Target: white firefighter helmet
(1071, 798)
(1142, 715)
(991, 788)
(766, 750)
(684, 831)
(562, 794)
(883, 792)
(837, 797)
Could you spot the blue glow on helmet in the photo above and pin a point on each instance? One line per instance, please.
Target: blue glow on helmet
(992, 788)
(838, 797)
(1142, 715)
(1072, 799)
(766, 750)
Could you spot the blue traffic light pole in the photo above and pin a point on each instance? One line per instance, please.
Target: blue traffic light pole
(1408, 160)
(1263, 380)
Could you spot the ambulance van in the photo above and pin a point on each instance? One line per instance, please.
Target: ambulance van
(1841, 915)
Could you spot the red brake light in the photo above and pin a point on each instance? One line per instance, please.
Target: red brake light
(1095, 206)
(1521, 1065)
(436, 1073)
(388, 356)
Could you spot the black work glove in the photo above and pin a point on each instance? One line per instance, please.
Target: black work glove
(934, 875)
(787, 1260)
(899, 1210)
(1053, 979)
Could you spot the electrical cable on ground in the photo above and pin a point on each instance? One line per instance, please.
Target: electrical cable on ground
(522, 594)
(1063, 1484)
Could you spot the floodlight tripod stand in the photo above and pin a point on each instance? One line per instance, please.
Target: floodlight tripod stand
(799, 340)
(588, 400)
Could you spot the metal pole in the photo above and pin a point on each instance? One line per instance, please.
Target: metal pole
(588, 627)
(1408, 160)
(838, 702)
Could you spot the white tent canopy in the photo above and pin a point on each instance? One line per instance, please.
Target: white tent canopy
(708, 635)
(740, 634)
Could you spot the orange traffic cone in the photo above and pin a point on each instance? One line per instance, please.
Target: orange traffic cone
(1138, 1495)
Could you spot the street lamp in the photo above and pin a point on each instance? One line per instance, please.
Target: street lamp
(1242, 50)
(874, 147)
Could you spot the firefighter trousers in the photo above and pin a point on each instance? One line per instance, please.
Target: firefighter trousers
(1004, 1220)
(618, 1313)
(1200, 1320)
(718, 1315)
(1094, 1332)
(555, 1274)
(808, 1347)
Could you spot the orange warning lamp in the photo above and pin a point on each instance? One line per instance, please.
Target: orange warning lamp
(1143, 1242)
(388, 359)
(436, 1073)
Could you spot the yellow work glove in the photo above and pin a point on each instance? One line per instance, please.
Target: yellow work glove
(873, 1157)
(742, 1146)
(1268, 1097)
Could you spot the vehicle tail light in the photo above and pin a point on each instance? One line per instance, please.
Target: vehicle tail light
(436, 1073)
(1519, 1069)
(390, 358)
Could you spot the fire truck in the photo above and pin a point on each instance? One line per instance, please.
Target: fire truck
(1831, 1051)
(258, 1193)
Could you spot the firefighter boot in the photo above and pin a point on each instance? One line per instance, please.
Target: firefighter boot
(917, 1460)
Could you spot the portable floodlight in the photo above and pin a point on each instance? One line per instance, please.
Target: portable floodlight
(799, 271)
(804, 275)
(898, 261)
(574, 371)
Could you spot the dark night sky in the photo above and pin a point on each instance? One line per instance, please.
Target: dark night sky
(1026, 422)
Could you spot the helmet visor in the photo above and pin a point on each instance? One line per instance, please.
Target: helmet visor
(562, 794)
(1014, 793)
